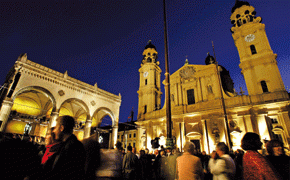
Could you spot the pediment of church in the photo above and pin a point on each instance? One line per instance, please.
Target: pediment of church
(189, 71)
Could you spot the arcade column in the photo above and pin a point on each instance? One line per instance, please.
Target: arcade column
(114, 136)
(52, 121)
(5, 112)
(87, 132)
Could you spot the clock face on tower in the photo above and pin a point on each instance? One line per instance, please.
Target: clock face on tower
(250, 38)
(145, 74)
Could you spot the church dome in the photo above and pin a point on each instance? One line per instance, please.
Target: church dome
(209, 59)
(239, 4)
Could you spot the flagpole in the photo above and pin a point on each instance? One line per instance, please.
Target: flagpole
(169, 140)
(227, 130)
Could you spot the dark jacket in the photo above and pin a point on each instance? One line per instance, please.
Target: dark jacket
(281, 164)
(68, 162)
(93, 157)
(130, 165)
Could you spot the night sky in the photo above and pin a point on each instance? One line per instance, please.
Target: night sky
(101, 41)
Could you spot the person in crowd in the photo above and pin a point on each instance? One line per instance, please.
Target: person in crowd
(168, 152)
(123, 152)
(239, 164)
(221, 164)
(204, 161)
(162, 153)
(163, 166)
(69, 161)
(255, 166)
(171, 166)
(189, 166)
(134, 151)
(280, 161)
(92, 148)
(111, 164)
(156, 164)
(145, 166)
(19, 158)
(130, 164)
(51, 144)
(150, 156)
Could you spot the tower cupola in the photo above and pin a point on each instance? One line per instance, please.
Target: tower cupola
(150, 54)
(243, 13)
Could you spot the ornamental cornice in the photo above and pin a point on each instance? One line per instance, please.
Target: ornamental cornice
(47, 74)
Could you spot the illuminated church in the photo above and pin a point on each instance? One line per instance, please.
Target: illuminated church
(196, 94)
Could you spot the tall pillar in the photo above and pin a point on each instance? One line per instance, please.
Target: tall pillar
(114, 136)
(139, 139)
(5, 112)
(87, 132)
(205, 138)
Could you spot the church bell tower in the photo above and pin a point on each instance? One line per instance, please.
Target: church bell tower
(149, 88)
(257, 60)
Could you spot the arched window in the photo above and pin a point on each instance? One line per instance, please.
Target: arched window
(253, 49)
(145, 81)
(264, 86)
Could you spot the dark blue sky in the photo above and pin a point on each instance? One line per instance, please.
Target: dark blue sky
(101, 41)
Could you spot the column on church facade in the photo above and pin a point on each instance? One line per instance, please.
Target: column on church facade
(180, 94)
(5, 112)
(176, 99)
(199, 90)
(139, 140)
(149, 134)
(263, 127)
(206, 145)
(203, 88)
(243, 120)
(284, 121)
(254, 122)
(250, 123)
(87, 131)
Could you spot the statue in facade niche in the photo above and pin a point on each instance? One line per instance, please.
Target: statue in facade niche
(27, 129)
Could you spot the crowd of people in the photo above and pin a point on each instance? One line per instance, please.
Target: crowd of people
(65, 157)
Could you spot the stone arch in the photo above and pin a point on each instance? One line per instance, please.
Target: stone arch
(72, 103)
(101, 112)
(31, 104)
(39, 89)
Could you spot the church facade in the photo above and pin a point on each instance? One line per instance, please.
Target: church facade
(34, 96)
(198, 92)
